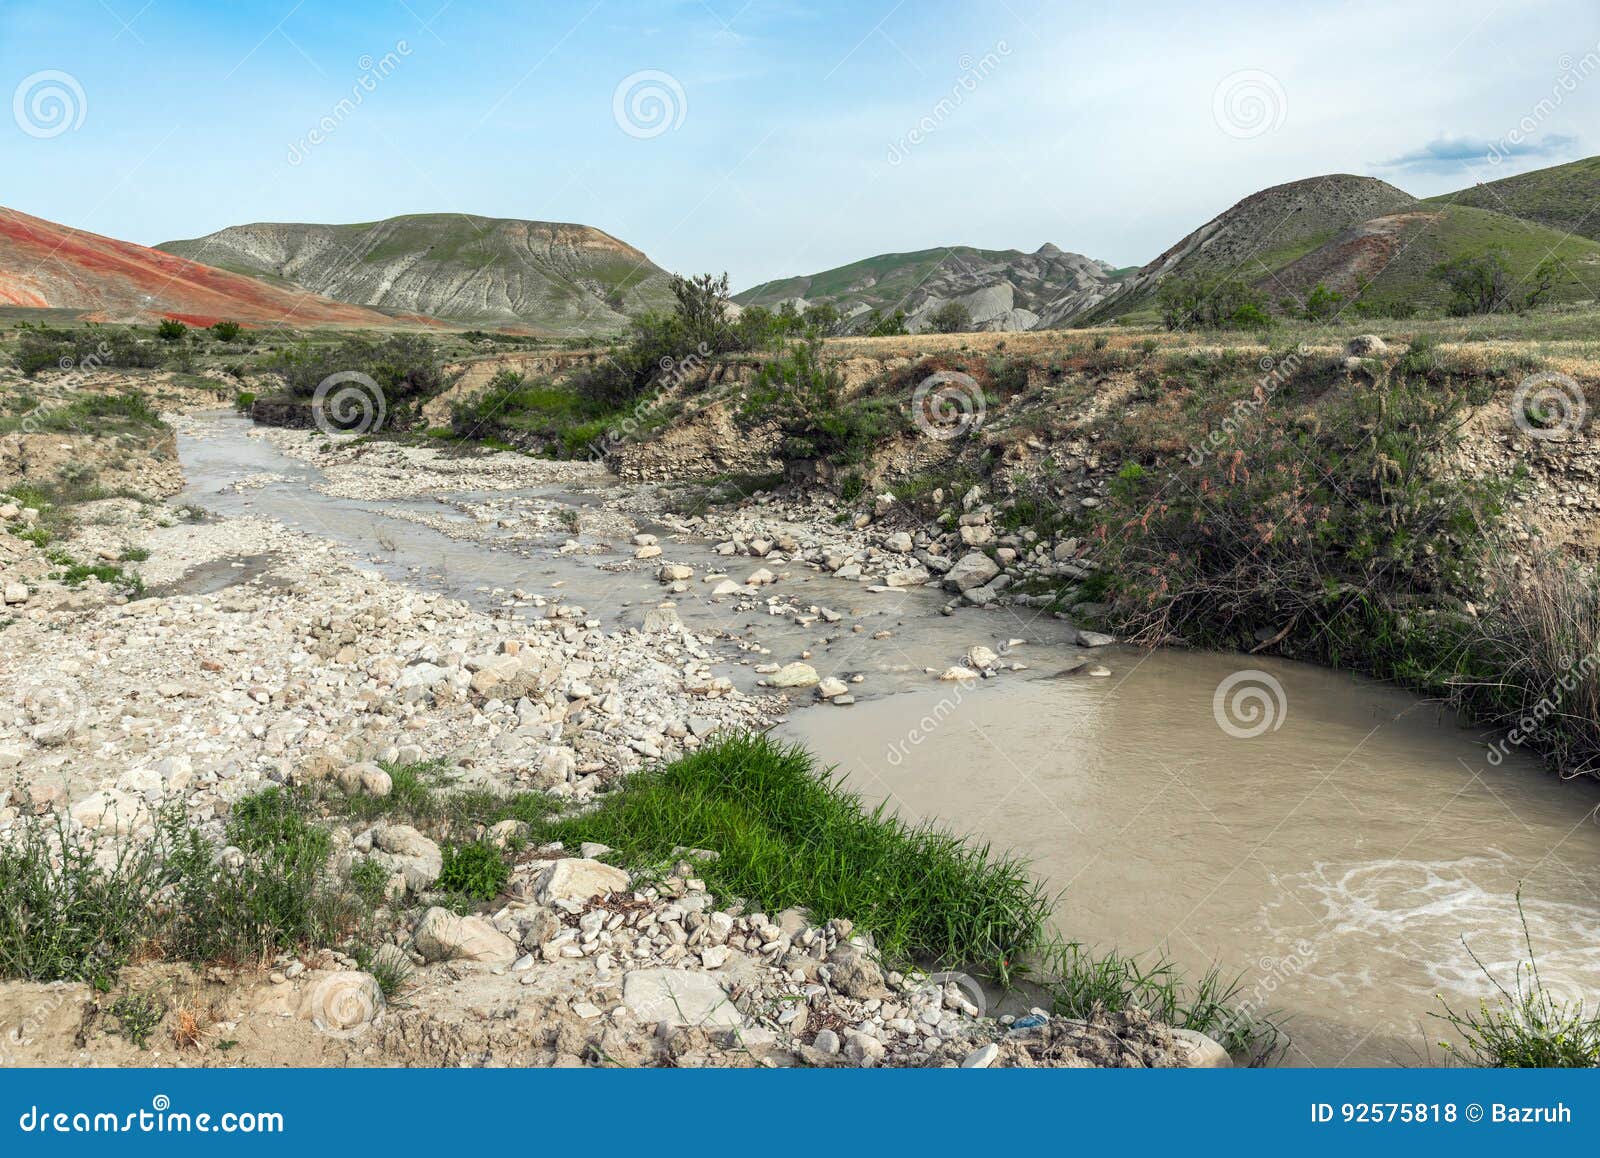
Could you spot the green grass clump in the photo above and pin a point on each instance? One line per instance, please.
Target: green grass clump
(477, 870)
(788, 837)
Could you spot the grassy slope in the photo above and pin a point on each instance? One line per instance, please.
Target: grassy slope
(1564, 197)
(896, 275)
(1462, 230)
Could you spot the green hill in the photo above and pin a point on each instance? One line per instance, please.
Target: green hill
(549, 277)
(1564, 197)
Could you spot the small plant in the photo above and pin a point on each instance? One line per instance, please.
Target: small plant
(477, 870)
(227, 331)
(137, 1016)
(1527, 1027)
(171, 330)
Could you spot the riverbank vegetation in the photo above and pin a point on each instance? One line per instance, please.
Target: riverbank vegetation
(783, 833)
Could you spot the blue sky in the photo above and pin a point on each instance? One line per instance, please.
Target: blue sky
(793, 136)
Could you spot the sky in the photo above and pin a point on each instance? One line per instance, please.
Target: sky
(772, 137)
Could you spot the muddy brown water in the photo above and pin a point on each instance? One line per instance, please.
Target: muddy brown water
(1344, 846)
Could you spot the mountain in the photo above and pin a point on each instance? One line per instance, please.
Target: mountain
(1564, 197)
(1393, 256)
(1261, 235)
(548, 277)
(1005, 289)
(48, 266)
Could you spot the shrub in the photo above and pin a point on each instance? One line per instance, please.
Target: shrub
(68, 913)
(171, 330)
(950, 318)
(1322, 304)
(228, 332)
(805, 395)
(1204, 301)
(1482, 283)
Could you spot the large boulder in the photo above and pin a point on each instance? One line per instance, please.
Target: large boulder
(445, 936)
(855, 974)
(971, 570)
(402, 849)
(577, 879)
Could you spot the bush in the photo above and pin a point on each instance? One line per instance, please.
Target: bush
(171, 330)
(405, 367)
(1208, 302)
(1322, 304)
(91, 348)
(805, 395)
(663, 348)
(68, 914)
(950, 318)
(228, 332)
(1482, 283)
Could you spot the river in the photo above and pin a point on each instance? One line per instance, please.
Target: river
(1344, 846)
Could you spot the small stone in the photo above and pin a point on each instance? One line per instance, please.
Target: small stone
(981, 1058)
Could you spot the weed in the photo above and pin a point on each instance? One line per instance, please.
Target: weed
(477, 870)
(1527, 1027)
(138, 1015)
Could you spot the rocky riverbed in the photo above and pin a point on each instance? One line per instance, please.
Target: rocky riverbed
(261, 655)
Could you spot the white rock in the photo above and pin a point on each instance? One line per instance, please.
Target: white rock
(445, 936)
(981, 1058)
(578, 879)
(679, 997)
(794, 675)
